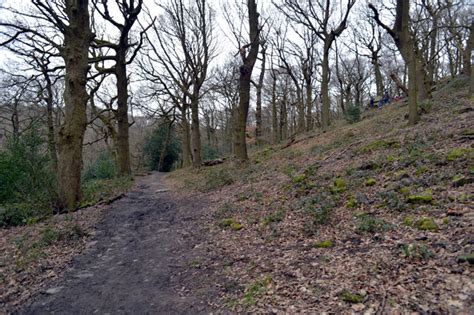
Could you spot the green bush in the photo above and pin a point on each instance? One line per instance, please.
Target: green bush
(102, 168)
(27, 188)
(352, 114)
(208, 152)
(154, 145)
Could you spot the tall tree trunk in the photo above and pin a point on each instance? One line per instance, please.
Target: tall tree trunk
(258, 109)
(301, 113)
(186, 138)
(50, 122)
(274, 112)
(407, 47)
(325, 110)
(15, 119)
(77, 39)
(309, 105)
(123, 147)
(467, 52)
(165, 145)
(283, 118)
(240, 145)
(378, 73)
(196, 132)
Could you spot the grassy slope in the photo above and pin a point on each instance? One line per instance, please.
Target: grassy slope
(367, 217)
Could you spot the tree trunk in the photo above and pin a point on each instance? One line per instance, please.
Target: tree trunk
(467, 53)
(309, 105)
(196, 132)
(412, 89)
(378, 74)
(50, 122)
(274, 112)
(165, 145)
(15, 119)
(283, 118)
(186, 138)
(123, 147)
(240, 146)
(325, 110)
(258, 109)
(77, 39)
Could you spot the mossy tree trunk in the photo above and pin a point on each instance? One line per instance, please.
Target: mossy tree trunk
(248, 62)
(77, 39)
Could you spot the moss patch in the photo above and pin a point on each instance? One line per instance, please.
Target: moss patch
(370, 182)
(324, 244)
(426, 224)
(458, 153)
(349, 297)
(339, 186)
(423, 198)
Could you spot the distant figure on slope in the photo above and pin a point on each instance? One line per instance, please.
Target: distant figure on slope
(386, 97)
(372, 101)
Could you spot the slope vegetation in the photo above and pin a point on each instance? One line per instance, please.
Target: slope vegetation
(368, 217)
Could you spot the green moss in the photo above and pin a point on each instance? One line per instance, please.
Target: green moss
(405, 190)
(426, 224)
(351, 202)
(458, 153)
(236, 226)
(378, 145)
(339, 186)
(230, 223)
(445, 221)
(423, 198)
(461, 180)
(370, 182)
(408, 220)
(298, 178)
(324, 244)
(277, 216)
(349, 297)
(466, 258)
(421, 170)
(371, 224)
(416, 251)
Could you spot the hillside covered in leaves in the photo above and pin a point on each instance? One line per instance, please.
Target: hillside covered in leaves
(368, 217)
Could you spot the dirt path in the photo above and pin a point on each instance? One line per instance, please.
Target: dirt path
(145, 258)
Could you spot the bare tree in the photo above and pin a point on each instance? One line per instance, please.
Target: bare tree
(316, 16)
(249, 54)
(125, 52)
(183, 46)
(406, 45)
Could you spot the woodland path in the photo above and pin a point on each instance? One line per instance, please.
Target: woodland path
(143, 259)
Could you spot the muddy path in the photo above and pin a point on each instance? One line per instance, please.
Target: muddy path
(145, 258)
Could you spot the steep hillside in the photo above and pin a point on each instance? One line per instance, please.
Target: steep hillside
(368, 217)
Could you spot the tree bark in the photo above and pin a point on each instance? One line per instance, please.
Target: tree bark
(406, 45)
(274, 111)
(186, 138)
(378, 73)
(240, 146)
(196, 132)
(77, 38)
(258, 109)
(123, 147)
(164, 147)
(325, 110)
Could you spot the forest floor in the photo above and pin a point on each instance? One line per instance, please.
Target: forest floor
(371, 217)
(142, 255)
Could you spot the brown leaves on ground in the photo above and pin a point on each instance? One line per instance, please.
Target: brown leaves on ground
(33, 254)
(369, 218)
